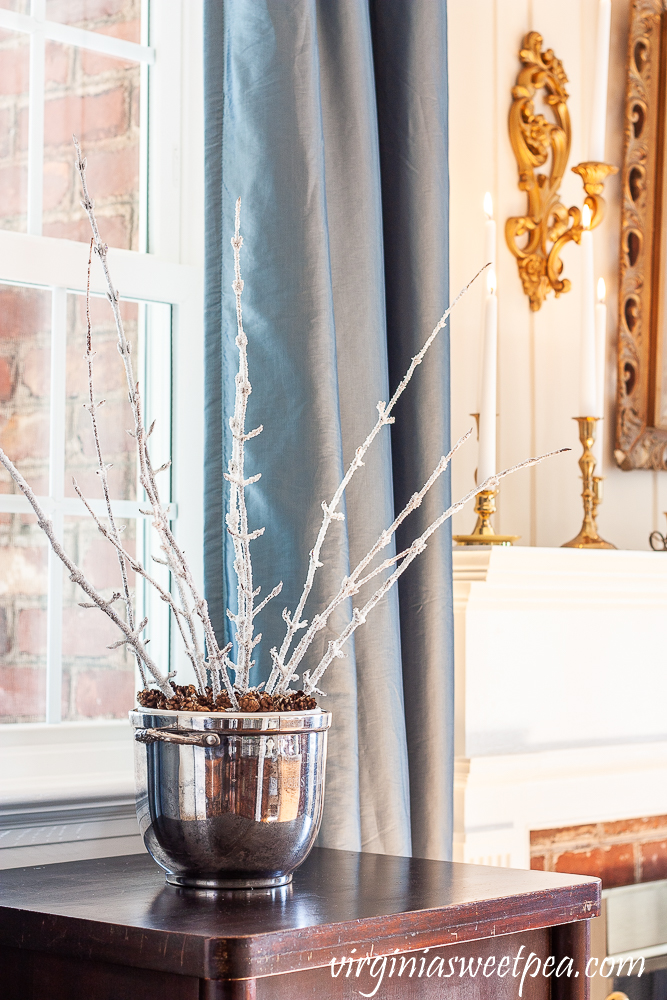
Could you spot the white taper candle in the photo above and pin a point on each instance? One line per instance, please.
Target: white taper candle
(600, 363)
(599, 107)
(486, 465)
(489, 232)
(588, 406)
(489, 258)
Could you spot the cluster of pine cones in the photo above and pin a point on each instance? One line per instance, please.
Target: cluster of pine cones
(188, 699)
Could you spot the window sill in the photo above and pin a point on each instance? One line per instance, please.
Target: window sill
(71, 761)
(66, 793)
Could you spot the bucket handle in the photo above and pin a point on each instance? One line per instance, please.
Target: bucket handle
(183, 737)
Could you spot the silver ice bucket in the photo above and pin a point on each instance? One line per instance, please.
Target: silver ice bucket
(226, 800)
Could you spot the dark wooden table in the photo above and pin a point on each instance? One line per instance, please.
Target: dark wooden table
(112, 929)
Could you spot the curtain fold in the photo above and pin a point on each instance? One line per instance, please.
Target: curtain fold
(329, 118)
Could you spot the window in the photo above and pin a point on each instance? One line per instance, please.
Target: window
(125, 78)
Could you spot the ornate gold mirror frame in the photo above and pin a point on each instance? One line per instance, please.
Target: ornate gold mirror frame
(641, 421)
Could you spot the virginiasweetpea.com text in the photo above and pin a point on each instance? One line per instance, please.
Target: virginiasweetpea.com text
(423, 964)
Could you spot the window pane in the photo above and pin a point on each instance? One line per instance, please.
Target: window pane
(23, 583)
(14, 68)
(114, 419)
(121, 18)
(25, 352)
(20, 6)
(97, 681)
(95, 98)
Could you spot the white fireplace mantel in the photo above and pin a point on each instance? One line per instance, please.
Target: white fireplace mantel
(561, 693)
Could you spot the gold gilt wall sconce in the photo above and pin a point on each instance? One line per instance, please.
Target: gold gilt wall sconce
(547, 225)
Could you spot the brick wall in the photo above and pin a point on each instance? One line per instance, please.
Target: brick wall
(87, 94)
(97, 98)
(623, 852)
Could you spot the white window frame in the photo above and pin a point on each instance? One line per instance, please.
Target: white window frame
(172, 273)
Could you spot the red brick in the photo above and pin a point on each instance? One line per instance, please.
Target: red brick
(121, 480)
(107, 693)
(34, 556)
(587, 833)
(23, 311)
(21, 138)
(5, 125)
(95, 116)
(5, 643)
(653, 861)
(538, 863)
(135, 105)
(13, 189)
(22, 692)
(114, 172)
(66, 690)
(87, 631)
(108, 371)
(614, 865)
(94, 63)
(14, 66)
(76, 11)
(58, 179)
(101, 319)
(57, 63)
(635, 826)
(26, 436)
(40, 486)
(115, 230)
(114, 420)
(6, 380)
(31, 631)
(100, 564)
(37, 371)
(129, 28)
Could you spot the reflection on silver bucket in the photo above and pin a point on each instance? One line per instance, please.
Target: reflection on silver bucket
(226, 800)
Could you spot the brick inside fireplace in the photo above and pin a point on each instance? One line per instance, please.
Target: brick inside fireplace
(622, 852)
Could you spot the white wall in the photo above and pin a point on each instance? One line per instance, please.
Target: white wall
(538, 352)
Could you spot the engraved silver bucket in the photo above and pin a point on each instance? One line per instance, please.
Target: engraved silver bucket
(229, 800)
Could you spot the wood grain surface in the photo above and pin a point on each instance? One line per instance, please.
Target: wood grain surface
(119, 910)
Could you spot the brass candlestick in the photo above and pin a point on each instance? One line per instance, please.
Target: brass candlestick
(485, 507)
(588, 537)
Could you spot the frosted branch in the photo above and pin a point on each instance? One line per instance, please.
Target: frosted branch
(350, 584)
(131, 635)
(237, 516)
(102, 468)
(330, 510)
(174, 556)
(359, 616)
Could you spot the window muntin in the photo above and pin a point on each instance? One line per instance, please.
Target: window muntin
(120, 18)
(14, 76)
(90, 82)
(50, 648)
(23, 624)
(172, 290)
(96, 98)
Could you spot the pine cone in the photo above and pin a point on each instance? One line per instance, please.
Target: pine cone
(249, 702)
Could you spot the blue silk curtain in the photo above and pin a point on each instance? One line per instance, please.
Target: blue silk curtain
(329, 119)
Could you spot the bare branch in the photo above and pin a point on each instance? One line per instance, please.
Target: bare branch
(237, 516)
(359, 615)
(350, 584)
(330, 509)
(102, 468)
(76, 576)
(174, 556)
